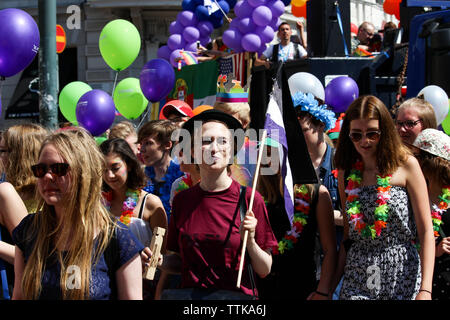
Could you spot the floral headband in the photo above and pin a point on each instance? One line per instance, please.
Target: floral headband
(309, 104)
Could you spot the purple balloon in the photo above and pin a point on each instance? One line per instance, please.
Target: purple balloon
(262, 16)
(277, 8)
(175, 55)
(95, 111)
(164, 53)
(205, 40)
(275, 23)
(232, 38)
(205, 28)
(340, 93)
(19, 41)
(265, 33)
(257, 3)
(157, 79)
(191, 34)
(176, 41)
(176, 28)
(187, 18)
(201, 13)
(246, 25)
(235, 23)
(191, 47)
(251, 42)
(242, 9)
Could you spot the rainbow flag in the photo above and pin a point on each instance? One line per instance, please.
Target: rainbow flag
(188, 57)
(363, 53)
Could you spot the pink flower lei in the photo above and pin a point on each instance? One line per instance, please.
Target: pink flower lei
(130, 202)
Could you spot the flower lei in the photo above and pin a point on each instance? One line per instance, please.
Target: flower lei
(131, 200)
(302, 200)
(310, 104)
(356, 218)
(438, 210)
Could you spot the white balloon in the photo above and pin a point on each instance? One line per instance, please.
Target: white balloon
(306, 83)
(438, 98)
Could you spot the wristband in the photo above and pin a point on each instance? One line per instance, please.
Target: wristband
(322, 294)
(425, 291)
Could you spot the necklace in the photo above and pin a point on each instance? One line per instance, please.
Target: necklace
(130, 202)
(356, 218)
(438, 210)
(302, 200)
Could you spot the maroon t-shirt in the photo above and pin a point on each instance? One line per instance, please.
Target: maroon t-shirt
(204, 230)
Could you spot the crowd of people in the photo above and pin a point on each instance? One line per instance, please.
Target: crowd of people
(77, 218)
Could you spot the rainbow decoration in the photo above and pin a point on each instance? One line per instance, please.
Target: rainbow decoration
(188, 57)
(230, 92)
(363, 53)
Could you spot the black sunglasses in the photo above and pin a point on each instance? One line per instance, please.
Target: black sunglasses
(371, 135)
(58, 169)
(408, 123)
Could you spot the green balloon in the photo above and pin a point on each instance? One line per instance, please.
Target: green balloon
(68, 99)
(446, 123)
(129, 99)
(119, 44)
(100, 140)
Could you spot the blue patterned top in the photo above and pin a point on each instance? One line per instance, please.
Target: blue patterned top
(162, 189)
(100, 285)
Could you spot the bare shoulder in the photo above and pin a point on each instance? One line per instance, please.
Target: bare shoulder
(323, 191)
(7, 189)
(153, 202)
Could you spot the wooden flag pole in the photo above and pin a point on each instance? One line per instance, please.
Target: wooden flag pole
(155, 247)
(250, 206)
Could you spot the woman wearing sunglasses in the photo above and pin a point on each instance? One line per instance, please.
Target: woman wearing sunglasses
(72, 249)
(413, 116)
(386, 202)
(124, 179)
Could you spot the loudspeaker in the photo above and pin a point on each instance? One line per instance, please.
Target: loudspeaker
(324, 34)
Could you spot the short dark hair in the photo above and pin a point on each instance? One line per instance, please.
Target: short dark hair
(283, 23)
(161, 129)
(136, 176)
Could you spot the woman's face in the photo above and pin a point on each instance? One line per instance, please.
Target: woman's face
(365, 135)
(51, 187)
(408, 124)
(116, 173)
(215, 146)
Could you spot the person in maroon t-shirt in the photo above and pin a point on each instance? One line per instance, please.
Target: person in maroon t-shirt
(206, 229)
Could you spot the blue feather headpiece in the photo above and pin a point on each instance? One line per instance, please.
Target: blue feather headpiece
(308, 103)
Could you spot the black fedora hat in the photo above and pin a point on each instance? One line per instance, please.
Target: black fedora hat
(215, 115)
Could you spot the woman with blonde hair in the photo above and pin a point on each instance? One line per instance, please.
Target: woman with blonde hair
(384, 194)
(413, 116)
(72, 248)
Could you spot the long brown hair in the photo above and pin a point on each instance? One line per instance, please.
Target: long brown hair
(390, 153)
(85, 217)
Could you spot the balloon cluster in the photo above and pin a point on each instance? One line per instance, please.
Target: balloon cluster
(392, 7)
(202, 13)
(185, 31)
(95, 110)
(254, 25)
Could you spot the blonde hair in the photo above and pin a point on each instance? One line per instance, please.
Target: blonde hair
(122, 130)
(424, 110)
(241, 108)
(84, 218)
(23, 142)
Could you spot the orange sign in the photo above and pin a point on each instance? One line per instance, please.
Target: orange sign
(60, 39)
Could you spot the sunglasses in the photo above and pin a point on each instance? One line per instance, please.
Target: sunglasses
(58, 169)
(371, 135)
(407, 123)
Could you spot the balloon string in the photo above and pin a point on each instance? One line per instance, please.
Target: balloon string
(143, 118)
(114, 85)
(229, 20)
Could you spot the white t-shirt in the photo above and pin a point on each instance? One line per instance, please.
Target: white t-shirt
(285, 53)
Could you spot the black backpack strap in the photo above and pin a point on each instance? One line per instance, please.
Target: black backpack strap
(296, 53)
(141, 209)
(276, 47)
(243, 211)
(112, 256)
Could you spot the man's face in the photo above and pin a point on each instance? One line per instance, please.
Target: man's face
(285, 32)
(366, 33)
